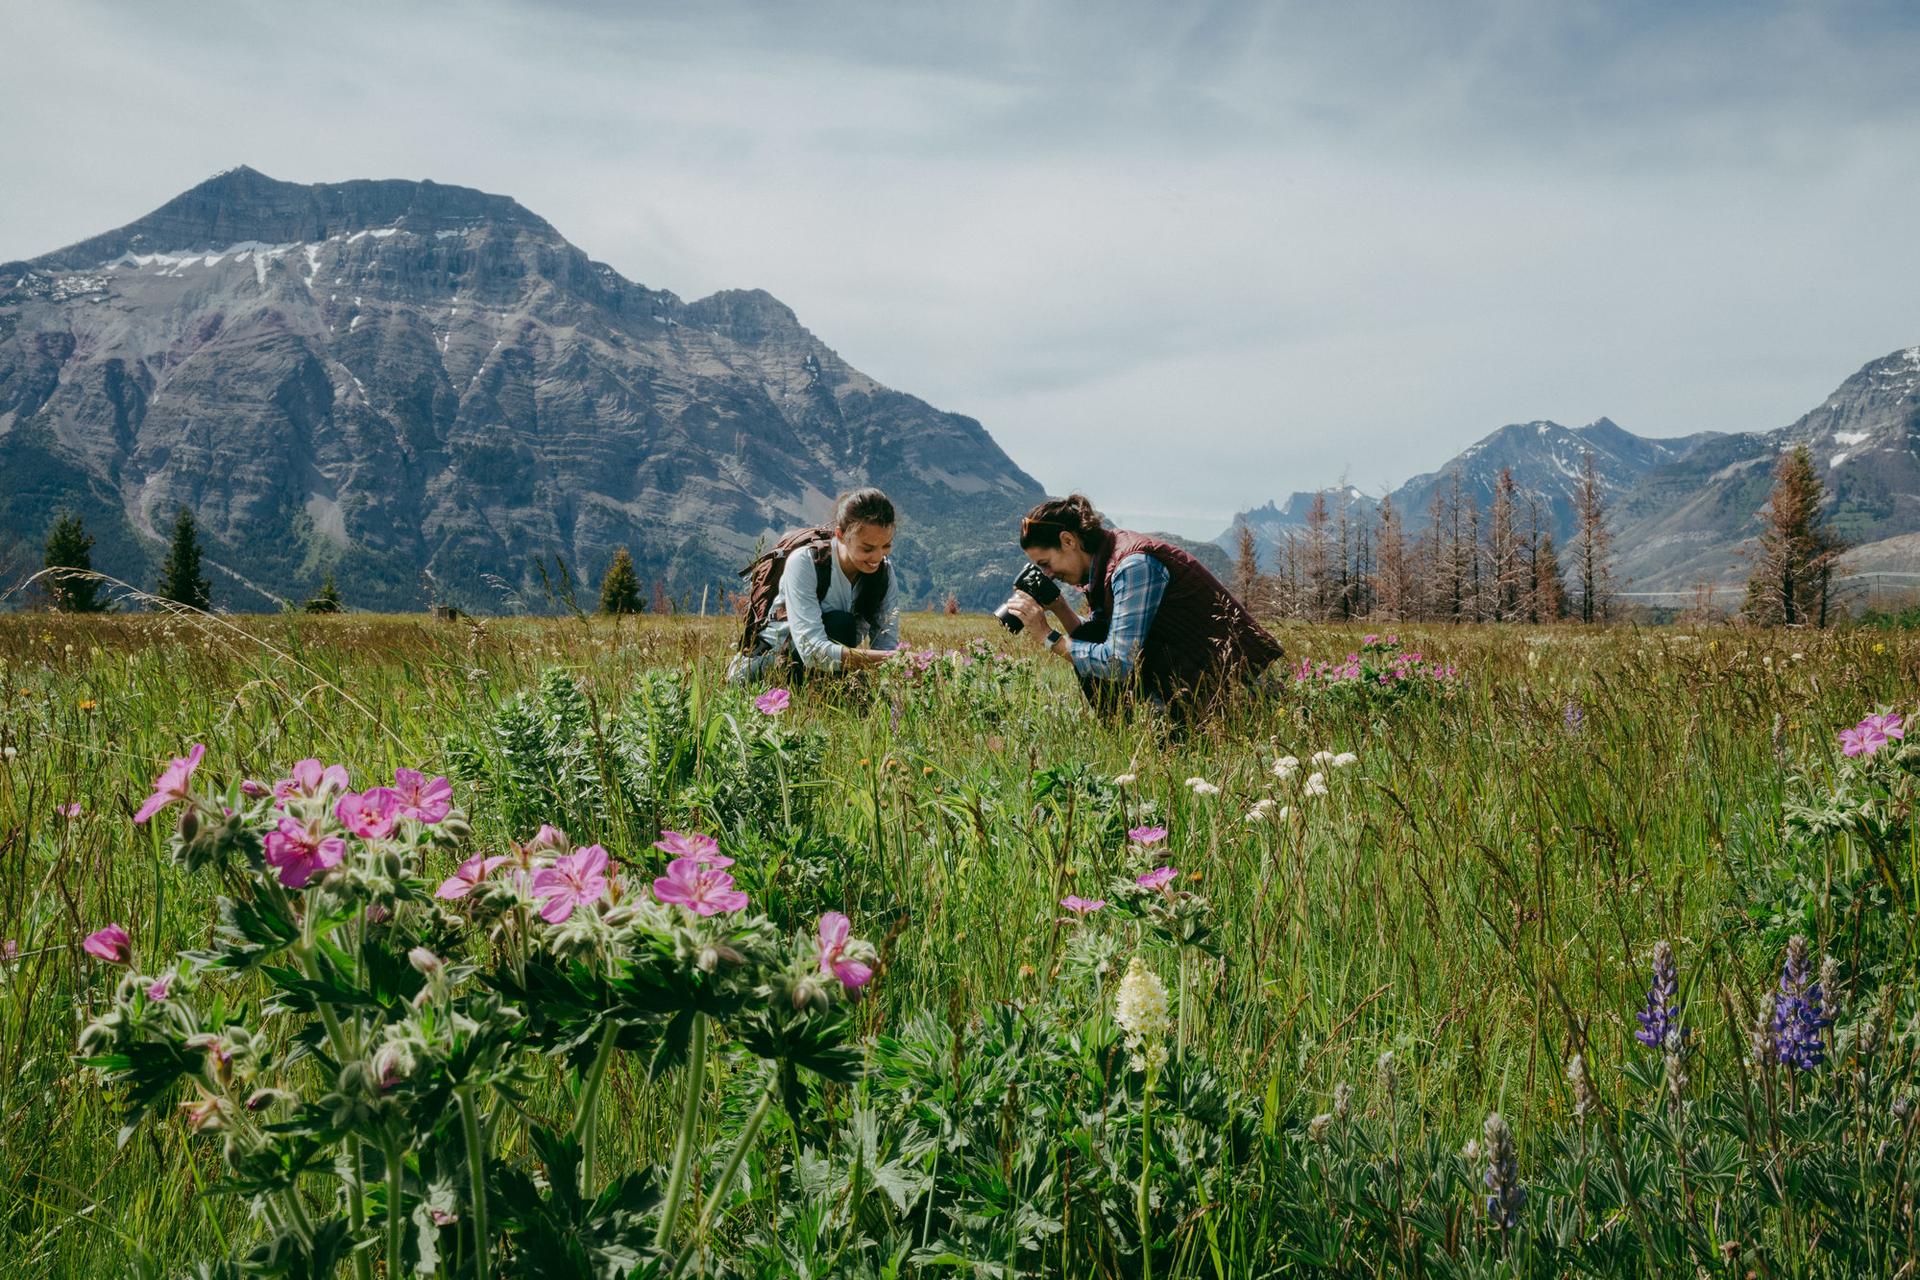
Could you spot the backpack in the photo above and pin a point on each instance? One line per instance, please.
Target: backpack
(763, 583)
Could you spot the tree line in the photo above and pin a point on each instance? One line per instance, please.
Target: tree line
(1466, 564)
(1500, 563)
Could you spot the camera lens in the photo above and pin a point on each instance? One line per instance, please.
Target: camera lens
(1008, 619)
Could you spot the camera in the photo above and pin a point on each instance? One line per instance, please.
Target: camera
(1034, 581)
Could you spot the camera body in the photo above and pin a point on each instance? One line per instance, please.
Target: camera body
(1034, 581)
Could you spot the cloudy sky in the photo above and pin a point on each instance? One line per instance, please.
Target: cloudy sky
(1186, 257)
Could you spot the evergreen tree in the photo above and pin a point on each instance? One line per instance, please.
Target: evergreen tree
(1592, 544)
(70, 546)
(180, 578)
(1792, 582)
(620, 588)
(1549, 597)
(328, 601)
(1246, 568)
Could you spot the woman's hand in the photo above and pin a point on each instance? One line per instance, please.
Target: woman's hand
(861, 659)
(1033, 618)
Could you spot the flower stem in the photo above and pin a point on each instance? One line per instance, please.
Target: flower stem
(476, 1177)
(343, 1049)
(689, 1118)
(1146, 1164)
(739, 1156)
(586, 1121)
(396, 1225)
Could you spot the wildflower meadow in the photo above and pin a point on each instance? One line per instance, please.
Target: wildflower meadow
(356, 946)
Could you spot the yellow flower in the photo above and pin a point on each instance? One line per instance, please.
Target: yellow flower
(1879, 648)
(88, 704)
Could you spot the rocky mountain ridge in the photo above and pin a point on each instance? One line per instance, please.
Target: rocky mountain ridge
(425, 389)
(1683, 511)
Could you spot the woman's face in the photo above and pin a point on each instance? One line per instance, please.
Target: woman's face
(864, 546)
(1068, 562)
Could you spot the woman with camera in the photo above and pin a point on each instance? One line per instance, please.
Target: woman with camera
(1161, 623)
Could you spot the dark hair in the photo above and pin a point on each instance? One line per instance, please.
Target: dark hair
(861, 506)
(1071, 514)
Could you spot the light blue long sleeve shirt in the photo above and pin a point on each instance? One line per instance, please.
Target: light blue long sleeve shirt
(1139, 581)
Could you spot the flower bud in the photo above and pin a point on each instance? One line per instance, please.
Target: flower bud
(426, 962)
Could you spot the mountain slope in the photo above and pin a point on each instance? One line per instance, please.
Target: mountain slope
(426, 388)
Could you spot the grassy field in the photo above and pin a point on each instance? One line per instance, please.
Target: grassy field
(1478, 894)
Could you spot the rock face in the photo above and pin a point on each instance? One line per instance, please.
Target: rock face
(1685, 511)
(426, 389)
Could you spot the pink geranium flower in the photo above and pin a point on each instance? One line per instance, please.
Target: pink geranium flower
(110, 944)
(1158, 878)
(1147, 836)
(702, 849)
(468, 876)
(160, 988)
(1082, 906)
(702, 889)
(834, 931)
(1889, 723)
(371, 814)
(549, 837)
(428, 799)
(171, 785)
(311, 778)
(301, 853)
(772, 702)
(574, 880)
(68, 810)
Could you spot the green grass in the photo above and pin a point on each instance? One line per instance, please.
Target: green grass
(1477, 883)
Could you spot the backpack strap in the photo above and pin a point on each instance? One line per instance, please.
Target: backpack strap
(869, 593)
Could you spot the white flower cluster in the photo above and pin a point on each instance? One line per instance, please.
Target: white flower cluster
(1201, 787)
(1141, 1010)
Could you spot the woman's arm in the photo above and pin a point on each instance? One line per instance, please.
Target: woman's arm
(1139, 582)
(798, 584)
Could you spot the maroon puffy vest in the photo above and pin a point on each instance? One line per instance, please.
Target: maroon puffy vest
(1200, 634)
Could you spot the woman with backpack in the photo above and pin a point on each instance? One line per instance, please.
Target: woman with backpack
(823, 599)
(1161, 623)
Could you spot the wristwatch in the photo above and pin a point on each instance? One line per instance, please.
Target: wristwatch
(1053, 638)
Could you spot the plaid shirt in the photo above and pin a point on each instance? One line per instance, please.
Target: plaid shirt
(1138, 583)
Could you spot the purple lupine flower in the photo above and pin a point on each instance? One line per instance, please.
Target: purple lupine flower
(1573, 719)
(1660, 1019)
(1797, 1016)
(1505, 1195)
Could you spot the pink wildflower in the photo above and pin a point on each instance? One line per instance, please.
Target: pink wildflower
(702, 849)
(772, 702)
(310, 778)
(253, 790)
(468, 876)
(421, 797)
(550, 837)
(1890, 723)
(1158, 878)
(9, 951)
(1146, 837)
(110, 944)
(1864, 738)
(301, 853)
(834, 928)
(171, 785)
(371, 814)
(574, 880)
(701, 889)
(160, 988)
(68, 810)
(1082, 906)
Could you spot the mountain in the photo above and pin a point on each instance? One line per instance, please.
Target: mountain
(426, 389)
(1685, 511)
(1544, 457)
(1690, 520)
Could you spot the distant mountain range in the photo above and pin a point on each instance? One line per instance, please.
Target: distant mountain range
(1684, 510)
(425, 389)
